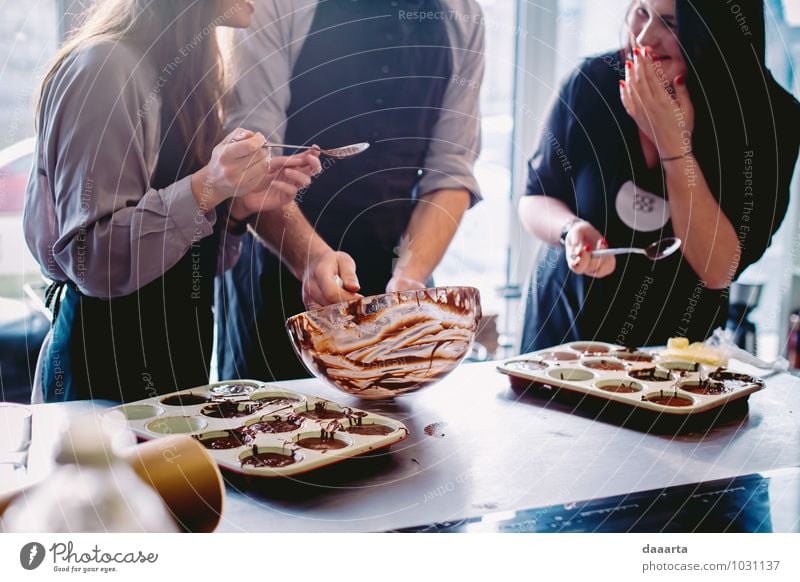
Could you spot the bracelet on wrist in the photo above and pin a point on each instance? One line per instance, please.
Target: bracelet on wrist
(688, 154)
(566, 228)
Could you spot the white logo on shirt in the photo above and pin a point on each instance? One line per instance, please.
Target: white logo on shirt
(641, 210)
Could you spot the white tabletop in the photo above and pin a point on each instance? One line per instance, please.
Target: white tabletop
(497, 449)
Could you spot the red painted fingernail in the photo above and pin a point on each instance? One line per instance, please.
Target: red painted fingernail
(628, 63)
(622, 83)
(680, 80)
(587, 248)
(636, 51)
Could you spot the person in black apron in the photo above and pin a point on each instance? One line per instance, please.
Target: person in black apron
(154, 341)
(387, 90)
(112, 338)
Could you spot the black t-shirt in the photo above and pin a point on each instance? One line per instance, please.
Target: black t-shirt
(590, 157)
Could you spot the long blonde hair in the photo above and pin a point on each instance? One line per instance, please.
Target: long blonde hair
(179, 36)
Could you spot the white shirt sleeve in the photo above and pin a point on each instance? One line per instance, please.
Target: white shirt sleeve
(91, 215)
(456, 141)
(264, 57)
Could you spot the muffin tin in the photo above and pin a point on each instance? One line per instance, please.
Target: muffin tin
(254, 428)
(641, 380)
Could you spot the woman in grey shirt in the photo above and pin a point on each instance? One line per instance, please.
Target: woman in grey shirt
(136, 201)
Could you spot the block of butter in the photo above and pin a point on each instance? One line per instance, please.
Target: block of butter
(679, 348)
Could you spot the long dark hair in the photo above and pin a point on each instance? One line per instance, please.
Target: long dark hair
(724, 48)
(163, 29)
(745, 121)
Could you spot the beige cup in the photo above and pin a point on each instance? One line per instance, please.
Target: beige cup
(186, 477)
(183, 473)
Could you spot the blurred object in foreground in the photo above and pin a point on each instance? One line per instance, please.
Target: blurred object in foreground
(92, 489)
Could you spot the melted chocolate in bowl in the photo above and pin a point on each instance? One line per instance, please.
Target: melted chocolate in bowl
(189, 399)
(386, 345)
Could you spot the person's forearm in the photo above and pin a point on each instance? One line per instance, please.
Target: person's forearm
(544, 217)
(289, 235)
(432, 227)
(709, 240)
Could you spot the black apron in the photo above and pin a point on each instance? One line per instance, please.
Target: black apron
(154, 341)
(364, 74)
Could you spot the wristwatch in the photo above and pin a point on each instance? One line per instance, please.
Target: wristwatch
(566, 228)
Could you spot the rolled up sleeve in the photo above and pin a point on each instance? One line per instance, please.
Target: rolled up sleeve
(456, 141)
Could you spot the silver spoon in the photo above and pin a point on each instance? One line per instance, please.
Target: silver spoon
(338, 153)
(656, 251)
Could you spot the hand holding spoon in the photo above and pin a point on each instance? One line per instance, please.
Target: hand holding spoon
(656, 251)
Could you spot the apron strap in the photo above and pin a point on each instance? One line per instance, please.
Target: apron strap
(53, 296)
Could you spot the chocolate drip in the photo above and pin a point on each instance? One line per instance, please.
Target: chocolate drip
(321, 412)
(326, 440)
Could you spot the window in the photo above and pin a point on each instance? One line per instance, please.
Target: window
(478, 254)
(28, 39)
(778, 272)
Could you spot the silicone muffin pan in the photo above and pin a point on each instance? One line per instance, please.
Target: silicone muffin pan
(260, 429)
(639, 379)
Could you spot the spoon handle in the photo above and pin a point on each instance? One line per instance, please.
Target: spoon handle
(619, 251)
(283, 145)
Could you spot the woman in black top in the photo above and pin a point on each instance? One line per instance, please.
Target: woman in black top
(683, 133)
